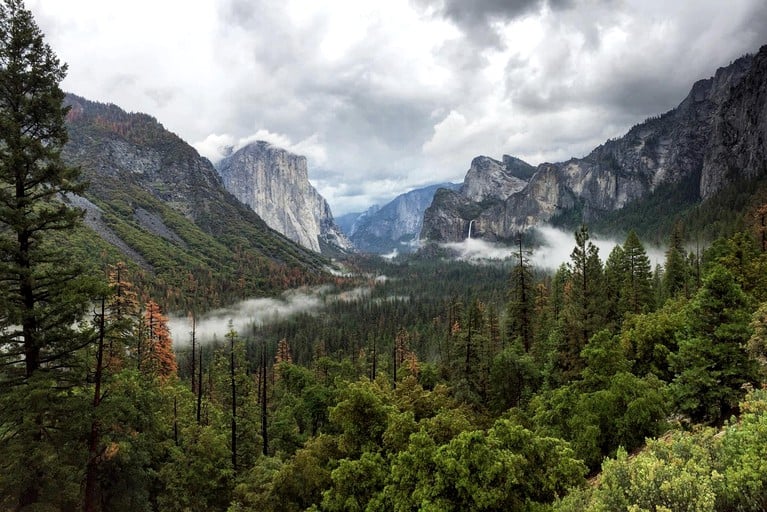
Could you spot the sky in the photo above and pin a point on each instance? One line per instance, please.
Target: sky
(386, 96)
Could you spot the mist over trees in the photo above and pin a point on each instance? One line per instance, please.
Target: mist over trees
(446, 386)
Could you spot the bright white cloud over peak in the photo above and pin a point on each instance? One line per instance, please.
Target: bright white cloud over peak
(394, 93)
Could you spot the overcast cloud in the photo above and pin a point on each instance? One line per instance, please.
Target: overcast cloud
(389, 95)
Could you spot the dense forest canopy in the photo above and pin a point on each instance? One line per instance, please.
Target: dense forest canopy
(446, 386)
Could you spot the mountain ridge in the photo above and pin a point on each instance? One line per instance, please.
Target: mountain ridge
(157, 203)
(395, 225)
(275, 184)
(689, 147)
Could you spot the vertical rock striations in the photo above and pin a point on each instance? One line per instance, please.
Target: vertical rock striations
(714, 137)
(275, 184)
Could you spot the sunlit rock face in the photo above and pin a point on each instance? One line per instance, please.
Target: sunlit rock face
(714, 137)
(275, 184)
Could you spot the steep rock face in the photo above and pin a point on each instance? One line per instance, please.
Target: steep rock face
(716, 135)
(397, 224)
(488, 183)
(275, 184)
(737, 144)
(490, 179)
(162, 205)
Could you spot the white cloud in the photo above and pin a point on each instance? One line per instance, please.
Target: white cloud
(395, 91)
(215, 146)
(557, 245)
(241, 317)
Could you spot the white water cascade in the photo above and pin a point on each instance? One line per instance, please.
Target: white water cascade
(470, 223)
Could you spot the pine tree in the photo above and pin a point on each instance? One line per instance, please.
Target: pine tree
(583, 311)
(162, 360)
(628, 280)
(519, 323)
(44, 293)
(676, 271)
(615, 278)
(122, 311)
(233, 338)
(712, 365)
(637, 292)
(282, 356)
(43, 290)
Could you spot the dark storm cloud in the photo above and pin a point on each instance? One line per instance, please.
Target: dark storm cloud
(647, 77)
(475, 18)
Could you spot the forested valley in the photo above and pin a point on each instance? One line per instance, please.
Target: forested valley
(422, 383)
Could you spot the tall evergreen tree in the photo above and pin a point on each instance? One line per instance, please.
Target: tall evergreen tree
(39, 283)
(519, 323)
(676, 270)
(43, 292)
(583, 312)
(637, 290)
(614, 279)
(713, 365)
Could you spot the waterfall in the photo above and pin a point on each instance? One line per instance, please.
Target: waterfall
(470, 223)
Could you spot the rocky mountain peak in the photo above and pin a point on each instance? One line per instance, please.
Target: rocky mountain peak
(275, 184)
(488, 178)
(396, 225)
(715, 136)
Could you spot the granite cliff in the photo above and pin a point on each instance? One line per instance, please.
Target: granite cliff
(395, 225)
(275, 184)
(714, 137)
(154, 201)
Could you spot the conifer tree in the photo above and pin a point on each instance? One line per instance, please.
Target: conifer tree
(232, 336)
(122, 311)
(615, 278)
(43, 290)
(676, 271)
(712, 365)
(281, 356)
(43, 293)
(637, 292)
(519, 324)
(583, 312)
(160, 346)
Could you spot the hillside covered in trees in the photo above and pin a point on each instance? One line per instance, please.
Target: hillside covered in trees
(432, 384)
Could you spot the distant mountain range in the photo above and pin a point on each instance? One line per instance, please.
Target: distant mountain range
(154, 201)
(714, 138)
(394, 226)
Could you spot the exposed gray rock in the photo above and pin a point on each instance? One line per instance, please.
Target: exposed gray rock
(397, 224)
(154, 224)
(490, 179)
(94, 220)
(716, 135)
(146, 177)
(488, 183)
(275, 184)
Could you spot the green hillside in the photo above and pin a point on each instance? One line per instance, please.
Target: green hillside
(194, 241)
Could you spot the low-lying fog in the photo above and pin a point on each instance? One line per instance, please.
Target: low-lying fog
(242, 316)
(555, 248)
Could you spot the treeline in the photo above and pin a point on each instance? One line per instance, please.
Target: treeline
(514, 411)
(499, 393)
